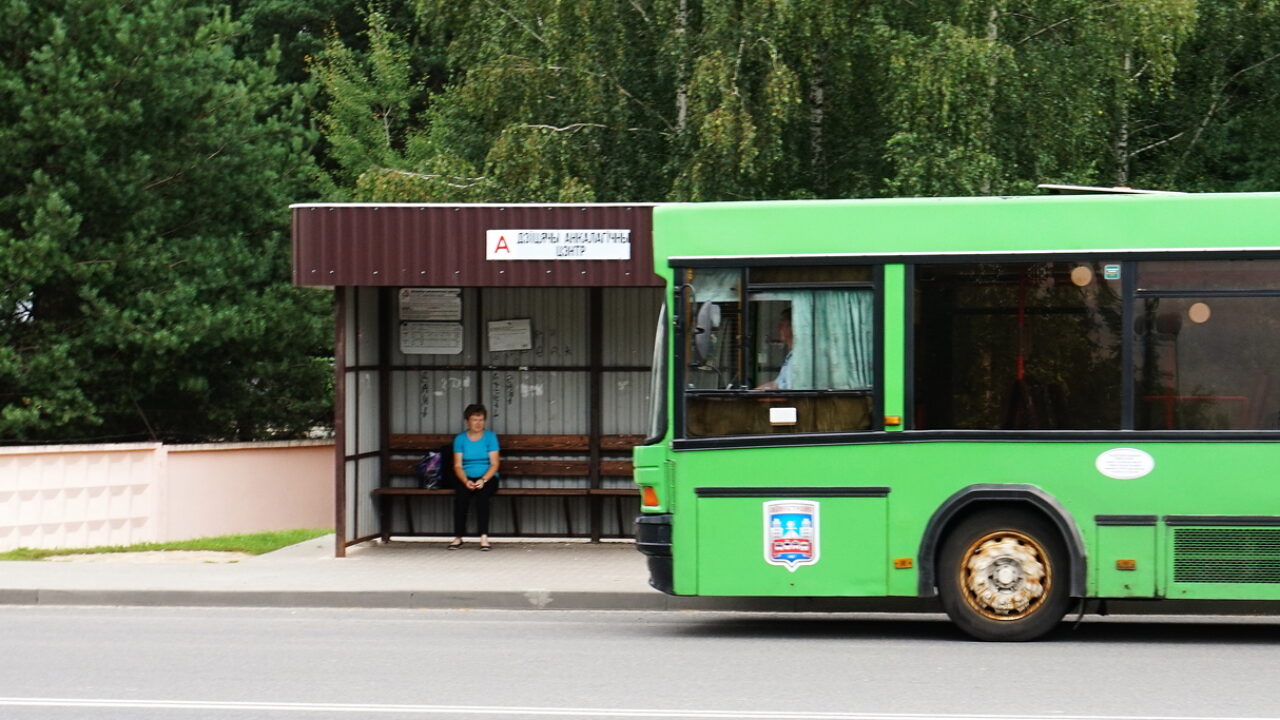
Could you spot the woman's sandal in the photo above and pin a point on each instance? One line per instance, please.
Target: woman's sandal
(455, 545)
(486, 547)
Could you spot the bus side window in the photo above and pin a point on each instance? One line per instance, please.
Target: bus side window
(1017, 346)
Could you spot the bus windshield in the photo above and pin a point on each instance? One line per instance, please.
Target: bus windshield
(657, 382)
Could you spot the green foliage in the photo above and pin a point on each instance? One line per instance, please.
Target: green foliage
(143, 246)
(295, 28)
(1218, 124)
(368, 117)
(747, 99)
(943, 104)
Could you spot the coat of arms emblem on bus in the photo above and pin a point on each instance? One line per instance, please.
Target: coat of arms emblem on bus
(790, 533)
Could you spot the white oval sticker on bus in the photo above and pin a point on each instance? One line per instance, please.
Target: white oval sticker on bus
(1125, 463)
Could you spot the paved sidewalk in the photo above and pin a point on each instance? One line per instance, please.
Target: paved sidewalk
(398, 574)
(556, 575)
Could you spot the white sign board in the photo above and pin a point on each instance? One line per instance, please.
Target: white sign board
(430, 338)
(1125, 463)
(508, 335)
(557, 245)
(782, 416)
(441, 305)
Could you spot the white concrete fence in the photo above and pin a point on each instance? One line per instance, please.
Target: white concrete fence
(68, 496)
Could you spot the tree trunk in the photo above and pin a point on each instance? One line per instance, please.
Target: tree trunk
(1121, 149)
(817, 115)
(993, 36)
(682, 68)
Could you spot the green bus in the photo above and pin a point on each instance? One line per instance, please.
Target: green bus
(1010, 404)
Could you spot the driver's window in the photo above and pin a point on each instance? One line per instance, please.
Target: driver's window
(778, 349)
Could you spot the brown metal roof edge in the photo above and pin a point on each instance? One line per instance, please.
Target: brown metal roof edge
(443, 245)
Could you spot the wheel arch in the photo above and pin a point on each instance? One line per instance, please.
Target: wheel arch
(974, 497)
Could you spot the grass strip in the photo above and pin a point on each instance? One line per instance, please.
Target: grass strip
(252, 544)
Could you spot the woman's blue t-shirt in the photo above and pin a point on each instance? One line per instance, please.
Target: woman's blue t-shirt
(475, 453)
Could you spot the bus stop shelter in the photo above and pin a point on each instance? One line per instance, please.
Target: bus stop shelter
(543, 313)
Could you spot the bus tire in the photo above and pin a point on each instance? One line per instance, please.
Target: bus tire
(1003, 575)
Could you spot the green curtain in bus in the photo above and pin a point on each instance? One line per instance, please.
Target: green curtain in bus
(833, 347)
(842, 320)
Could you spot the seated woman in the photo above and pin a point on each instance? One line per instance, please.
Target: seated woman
(475, 474)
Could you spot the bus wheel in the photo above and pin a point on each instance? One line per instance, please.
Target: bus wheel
(1003, 575)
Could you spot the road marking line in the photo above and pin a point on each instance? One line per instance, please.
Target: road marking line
(102, 703)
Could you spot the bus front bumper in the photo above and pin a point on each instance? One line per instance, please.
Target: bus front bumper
(653, 538)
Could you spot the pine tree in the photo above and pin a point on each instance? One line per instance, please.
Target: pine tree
(143, 230)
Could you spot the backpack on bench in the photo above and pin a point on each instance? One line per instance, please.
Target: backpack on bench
(434, 468)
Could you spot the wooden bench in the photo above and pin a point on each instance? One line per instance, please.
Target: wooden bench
(519, 460)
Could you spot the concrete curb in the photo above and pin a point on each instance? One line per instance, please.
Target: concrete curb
(534, 599)
(531, 599)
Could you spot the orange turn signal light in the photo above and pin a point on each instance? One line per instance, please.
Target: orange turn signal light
(903, 563)
(649, 496)
(1126, 564)
(892, 420)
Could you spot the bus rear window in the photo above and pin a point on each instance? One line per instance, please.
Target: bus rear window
(1207, 345)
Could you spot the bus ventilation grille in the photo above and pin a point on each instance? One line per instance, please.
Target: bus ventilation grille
(1226, 555)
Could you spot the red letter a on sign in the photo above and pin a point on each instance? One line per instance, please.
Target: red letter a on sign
(502, 244)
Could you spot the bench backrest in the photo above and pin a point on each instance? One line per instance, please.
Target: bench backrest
(548, 444)
(524, 445)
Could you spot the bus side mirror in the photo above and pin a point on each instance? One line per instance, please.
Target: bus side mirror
(704, 337)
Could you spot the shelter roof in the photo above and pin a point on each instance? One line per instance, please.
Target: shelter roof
(473, 245)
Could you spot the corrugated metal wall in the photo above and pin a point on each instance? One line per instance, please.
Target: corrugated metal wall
(559, 317)
(630, 318)
(545, 390)
(362, 441)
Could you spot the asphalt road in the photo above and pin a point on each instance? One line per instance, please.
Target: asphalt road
(78, 662)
